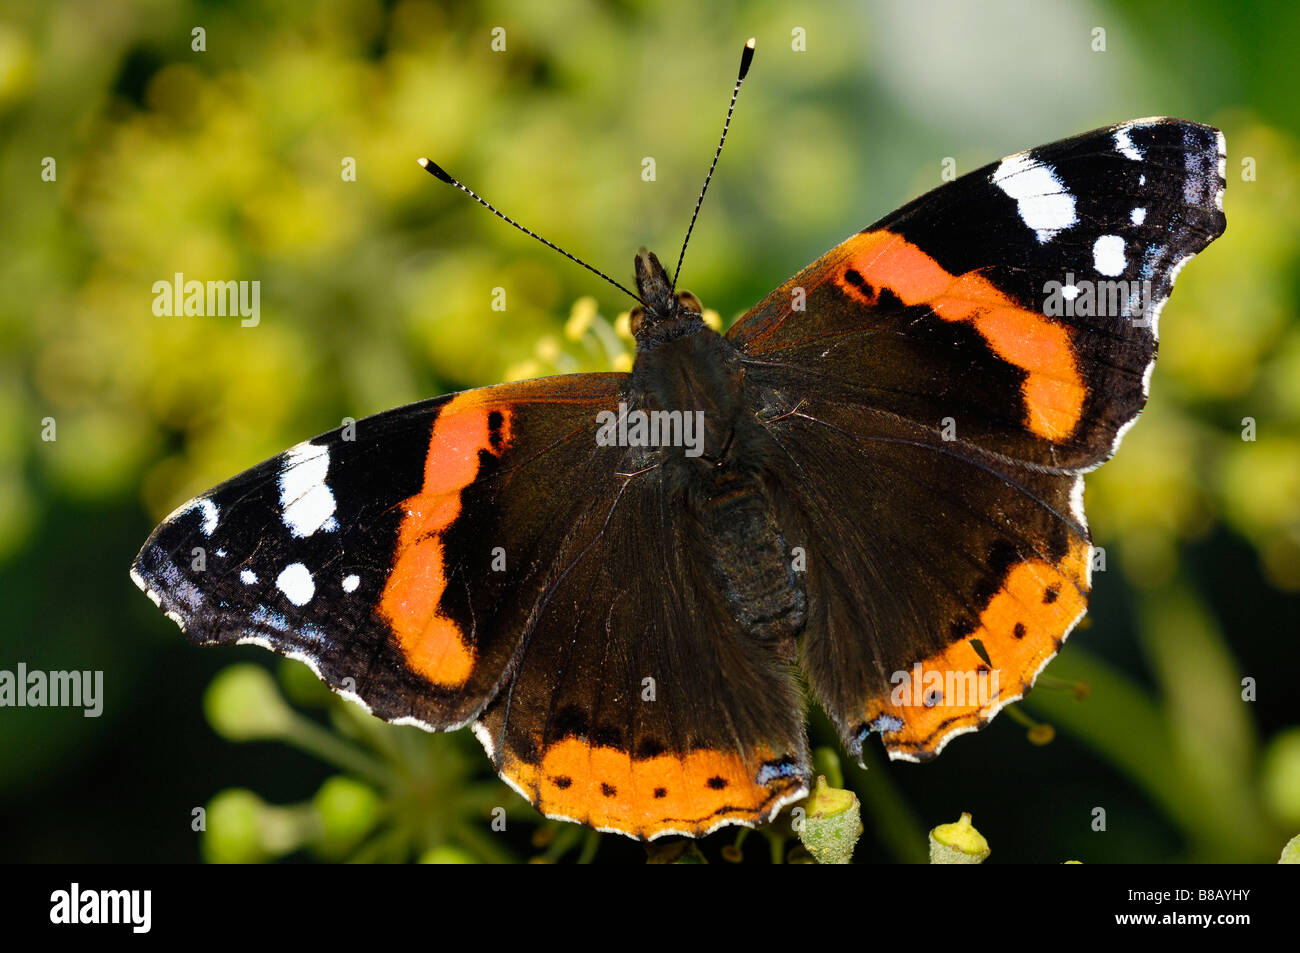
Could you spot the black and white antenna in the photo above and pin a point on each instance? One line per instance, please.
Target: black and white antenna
(441, 175)
(437, 171)
(746, 57)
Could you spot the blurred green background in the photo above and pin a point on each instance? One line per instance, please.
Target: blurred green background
(226, 163)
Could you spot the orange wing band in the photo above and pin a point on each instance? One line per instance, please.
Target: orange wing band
(954, 691)
(434, 645)
(1053, 390)
(646, 797)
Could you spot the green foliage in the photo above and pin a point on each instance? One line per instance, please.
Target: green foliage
(403, 794)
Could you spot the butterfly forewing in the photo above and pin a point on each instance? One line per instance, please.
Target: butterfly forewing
(375, 553)
(1020, 302)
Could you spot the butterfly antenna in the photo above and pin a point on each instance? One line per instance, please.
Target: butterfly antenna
(746, 57)
(439, 173)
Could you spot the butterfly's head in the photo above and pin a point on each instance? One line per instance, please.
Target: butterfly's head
(664, 307)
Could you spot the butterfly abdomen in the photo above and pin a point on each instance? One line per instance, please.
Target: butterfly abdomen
(752, 561)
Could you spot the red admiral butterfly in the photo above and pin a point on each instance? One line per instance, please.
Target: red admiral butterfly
(873, 480)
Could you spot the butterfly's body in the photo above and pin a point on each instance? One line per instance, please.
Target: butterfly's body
(883, 500)
(722, 491)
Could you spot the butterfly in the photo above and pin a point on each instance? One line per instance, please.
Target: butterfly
(872, 483)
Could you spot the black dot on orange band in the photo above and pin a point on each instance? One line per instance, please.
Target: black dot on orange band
(1019, 631)
(717, 782)
(562, 782)
(661, 792)
(608, 789)
(1051, 593)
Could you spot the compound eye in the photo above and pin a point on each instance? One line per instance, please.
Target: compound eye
(688, 302)
(635, 319)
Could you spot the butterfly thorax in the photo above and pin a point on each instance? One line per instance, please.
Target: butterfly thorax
(687, 372)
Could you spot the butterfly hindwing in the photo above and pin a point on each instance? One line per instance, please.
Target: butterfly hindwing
(638, 704)
(941, 598)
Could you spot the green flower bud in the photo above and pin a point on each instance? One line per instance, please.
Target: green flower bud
(831, 825)
(958, 843)
(231, 835)
(243, 829)
(243, 704)
(348, 811)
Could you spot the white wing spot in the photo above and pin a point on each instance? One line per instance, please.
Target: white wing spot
(1043, 202)
(350, 583)
(296, 584)
(247, 577)
(1108, 255)
(210, 514)
(1069, 292)
(1125, 146)
(306, 502)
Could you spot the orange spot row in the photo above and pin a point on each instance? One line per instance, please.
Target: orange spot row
(605, 787)
(1020, 630)
(1053, 389)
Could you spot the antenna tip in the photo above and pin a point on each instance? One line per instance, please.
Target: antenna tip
(435, 170)
(746, 58)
